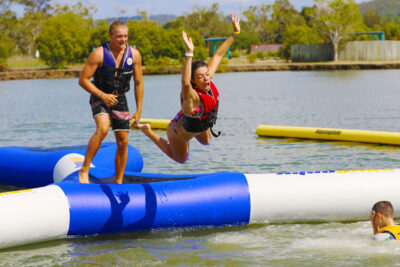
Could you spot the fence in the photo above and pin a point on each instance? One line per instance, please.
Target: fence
(352, 51)
(312, 53)
(370, 51)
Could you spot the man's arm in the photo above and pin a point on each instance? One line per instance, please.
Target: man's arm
(95, 59)
(138, 79)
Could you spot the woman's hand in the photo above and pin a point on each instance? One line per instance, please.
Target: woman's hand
(188, 42)
(235, 22)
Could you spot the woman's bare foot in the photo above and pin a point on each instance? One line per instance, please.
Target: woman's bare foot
(144, 127)
(83, 177)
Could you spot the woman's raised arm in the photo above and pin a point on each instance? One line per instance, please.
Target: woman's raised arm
(187, 68)
(219, 53)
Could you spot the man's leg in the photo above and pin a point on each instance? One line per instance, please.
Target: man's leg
(121, 156)
(102, 127)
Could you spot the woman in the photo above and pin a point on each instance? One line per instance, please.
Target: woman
(199, 102)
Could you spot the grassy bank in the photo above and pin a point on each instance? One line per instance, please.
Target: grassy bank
(21, 68)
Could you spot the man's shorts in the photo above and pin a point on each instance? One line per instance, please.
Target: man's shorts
(118, 114)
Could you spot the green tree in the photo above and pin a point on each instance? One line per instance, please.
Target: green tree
(8, 20)
(259, 21)
(299, 34)
(209, 22)
(245, 40)
(154, 42)
(27, 30)
(284, 14)
(201, 52)
(392, 30)
(34, 6)
(151, 40)
(99, 34)
(338, 18)
(64, 39)
(371, 18)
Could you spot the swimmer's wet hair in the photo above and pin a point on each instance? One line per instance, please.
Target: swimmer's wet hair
(384, 207)
(116, 24)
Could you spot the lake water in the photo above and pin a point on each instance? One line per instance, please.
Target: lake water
(51, 113)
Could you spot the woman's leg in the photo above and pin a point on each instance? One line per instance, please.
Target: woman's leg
(175, 148)
(204, 138)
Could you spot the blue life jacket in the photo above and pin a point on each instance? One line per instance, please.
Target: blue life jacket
(112, 79)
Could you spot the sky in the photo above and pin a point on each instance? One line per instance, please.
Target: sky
(120, 8)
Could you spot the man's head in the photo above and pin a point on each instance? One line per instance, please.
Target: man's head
(383, 213)
(118, 32)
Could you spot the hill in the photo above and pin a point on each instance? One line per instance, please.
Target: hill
(385, 8)
(162, 18)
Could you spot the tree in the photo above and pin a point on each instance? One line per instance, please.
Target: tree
(299, 34)
(392, 30)
(339, 18)
(99, 34)
(284, 14)
(245, 40)
(259, 20)
(150, 39)
(27, 30)
(371, 18)
(154, 42)
(209, 22)
(64, 39)
(8, 20)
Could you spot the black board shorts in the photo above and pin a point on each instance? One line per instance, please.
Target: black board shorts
(118, 114)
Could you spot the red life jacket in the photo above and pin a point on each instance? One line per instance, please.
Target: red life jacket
(205, 116)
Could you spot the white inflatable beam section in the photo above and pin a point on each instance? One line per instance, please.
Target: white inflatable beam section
(321, 196)
(33, 215)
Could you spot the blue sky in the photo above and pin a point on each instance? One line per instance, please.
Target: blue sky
(116, 8)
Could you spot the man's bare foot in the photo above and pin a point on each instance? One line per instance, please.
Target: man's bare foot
(144, 127)
(83, 177)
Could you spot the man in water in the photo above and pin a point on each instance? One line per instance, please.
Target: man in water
(383, 223)
(112, 66)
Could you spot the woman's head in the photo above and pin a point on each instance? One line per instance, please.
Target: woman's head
(200, 77)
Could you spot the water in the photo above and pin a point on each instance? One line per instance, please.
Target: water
(50, 113)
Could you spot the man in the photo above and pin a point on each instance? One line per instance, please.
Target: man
(112, 65)
(382, 221)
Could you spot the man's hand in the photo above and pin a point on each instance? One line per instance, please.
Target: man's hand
(136, 116)
(109, 99)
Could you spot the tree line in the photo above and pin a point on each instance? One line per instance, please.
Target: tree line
(66, 34)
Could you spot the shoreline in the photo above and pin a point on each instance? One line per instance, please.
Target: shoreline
(46, 73)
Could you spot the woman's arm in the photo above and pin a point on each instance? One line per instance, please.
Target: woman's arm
(187, 68)
(188, 93)
(220, 52)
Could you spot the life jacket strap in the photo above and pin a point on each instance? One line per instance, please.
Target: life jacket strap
(215, 134)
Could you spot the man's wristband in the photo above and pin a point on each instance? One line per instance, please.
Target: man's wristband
(188, 54)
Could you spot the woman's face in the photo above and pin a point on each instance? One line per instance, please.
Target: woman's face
(202, 78)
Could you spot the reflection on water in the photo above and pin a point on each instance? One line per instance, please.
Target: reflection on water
(367, 100)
